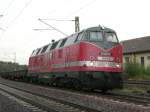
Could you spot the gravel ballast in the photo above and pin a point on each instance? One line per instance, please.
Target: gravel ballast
(9, 103)
(90, 101)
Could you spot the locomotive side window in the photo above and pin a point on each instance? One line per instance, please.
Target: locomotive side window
(48, 48)
(80, 35)
(33, 53)
(96, 36)
(38, 51)
(63, 42)
(54, 45)
(44, 48)
(60, 41)
(70, 40)
(111, 37)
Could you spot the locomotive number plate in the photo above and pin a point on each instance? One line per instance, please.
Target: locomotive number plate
(105, 58)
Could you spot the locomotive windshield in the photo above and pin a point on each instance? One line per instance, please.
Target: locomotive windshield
(96, 36)
(103, 38)
(111, 37)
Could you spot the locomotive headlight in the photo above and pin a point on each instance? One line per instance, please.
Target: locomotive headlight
(118, 65)
(91, 63)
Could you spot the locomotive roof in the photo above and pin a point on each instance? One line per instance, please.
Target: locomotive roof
(47, 47)
(99, 28)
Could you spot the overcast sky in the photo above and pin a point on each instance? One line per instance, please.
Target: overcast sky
(129, 18)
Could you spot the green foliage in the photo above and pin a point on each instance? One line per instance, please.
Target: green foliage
(134, 70)
(9, 66)
(148, 70)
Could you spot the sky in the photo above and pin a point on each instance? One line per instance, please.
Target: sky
(18, 37)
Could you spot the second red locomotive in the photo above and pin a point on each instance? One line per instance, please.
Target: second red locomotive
(91, 58)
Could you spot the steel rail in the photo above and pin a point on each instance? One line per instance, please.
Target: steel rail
(140, 82)
(113, 97)
(43, 102)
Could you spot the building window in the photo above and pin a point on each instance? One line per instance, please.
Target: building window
(142, 61)
(148, 57)
(127, 59)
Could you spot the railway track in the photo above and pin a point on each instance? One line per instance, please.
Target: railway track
(143, 84)
(137, 99)
(138, 82)
(42, 102)
(84, 100)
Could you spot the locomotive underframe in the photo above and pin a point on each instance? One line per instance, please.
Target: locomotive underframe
(89, 80)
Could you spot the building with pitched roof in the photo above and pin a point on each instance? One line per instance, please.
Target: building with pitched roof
(137, 50)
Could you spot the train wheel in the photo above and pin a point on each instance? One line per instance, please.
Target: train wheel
(60, 82)
(104, 90)
(77, 85)
(69, 84)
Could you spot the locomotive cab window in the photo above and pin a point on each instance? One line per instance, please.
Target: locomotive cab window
(96, 36)
(111, 37)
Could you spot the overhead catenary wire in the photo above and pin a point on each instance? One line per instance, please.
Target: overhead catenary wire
(53, 20)
(6, 10)
(52, 27)
(57, 19)
(1, 27)
(81, 8)
(76, 20)
(42, 29)
(18, 15)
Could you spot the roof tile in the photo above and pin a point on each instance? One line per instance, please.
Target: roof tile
(136, 45)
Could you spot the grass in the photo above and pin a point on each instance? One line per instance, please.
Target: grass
(132, 91)
(137, 72)
(140, 77)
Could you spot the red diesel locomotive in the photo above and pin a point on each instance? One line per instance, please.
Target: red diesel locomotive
(91, 58)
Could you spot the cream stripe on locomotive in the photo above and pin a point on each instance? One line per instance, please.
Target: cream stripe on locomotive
(88, 64)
